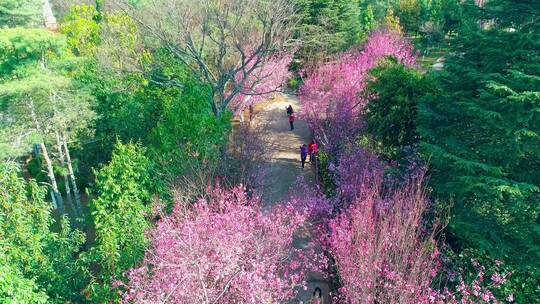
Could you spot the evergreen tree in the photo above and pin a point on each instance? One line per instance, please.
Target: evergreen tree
(326, 27)
(19, 12)
(393, 94)
(481, 132)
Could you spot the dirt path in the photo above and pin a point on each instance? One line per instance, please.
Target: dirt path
(285, 167)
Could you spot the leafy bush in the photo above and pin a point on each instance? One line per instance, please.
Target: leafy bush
(39, 265)
(120, 215)
(294, 83)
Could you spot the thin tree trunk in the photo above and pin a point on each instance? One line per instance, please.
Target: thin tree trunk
(50, 171)
(52, 178)
(48, 16)
(72, 176)
(53, 200)
(65, 176)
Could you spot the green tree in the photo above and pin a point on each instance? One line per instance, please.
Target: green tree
(81, 29)
(393, 92)
(187, 134)
(27, 91)
(120, 214)
(409, 13)
(481, 133)
(15, 288)
(367, 22)
(20, 12)
(326, 27)
(40, 266)
(40, 101)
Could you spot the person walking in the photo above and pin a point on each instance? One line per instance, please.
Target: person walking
(303, 154)
(317, 297)
(289, 110)
(310, 151)
(292, 117)
(313, 148)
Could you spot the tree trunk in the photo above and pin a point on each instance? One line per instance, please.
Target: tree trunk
(64, 176)
(48, 16)
(52, 178)
(50, 171)
(53, 200)
(72, 176)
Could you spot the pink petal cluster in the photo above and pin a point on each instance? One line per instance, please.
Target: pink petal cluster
(221, 250)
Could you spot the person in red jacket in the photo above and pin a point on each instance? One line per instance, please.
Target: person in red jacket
(291, 120)
(313, 148)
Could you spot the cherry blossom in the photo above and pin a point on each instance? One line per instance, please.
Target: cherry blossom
(221, 250)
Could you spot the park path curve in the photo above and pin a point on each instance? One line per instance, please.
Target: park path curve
(284, 167)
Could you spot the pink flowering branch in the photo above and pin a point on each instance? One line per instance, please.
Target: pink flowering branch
(383, 252)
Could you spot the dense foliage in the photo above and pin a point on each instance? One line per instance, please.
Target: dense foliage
(390, 115)
(326, 27)
(120, 214)
(38, 265)
(121, 156)
(481, 134)
(20, 12)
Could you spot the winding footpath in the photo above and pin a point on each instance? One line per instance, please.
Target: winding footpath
(284, 168)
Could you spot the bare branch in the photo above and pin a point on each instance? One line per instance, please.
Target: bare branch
(220, 40)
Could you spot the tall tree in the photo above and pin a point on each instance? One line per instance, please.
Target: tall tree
(481, 132)
(20, 12)
(37, 99)
(393, 91)
(326, 27)
(27, 95)
(223, 41)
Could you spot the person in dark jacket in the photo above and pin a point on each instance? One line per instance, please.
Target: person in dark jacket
(303, 154)
(289, 110)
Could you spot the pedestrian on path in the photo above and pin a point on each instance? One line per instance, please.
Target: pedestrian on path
(313, 148)
(292, 117)
(317, 297)
(303, 154)
(289, 110)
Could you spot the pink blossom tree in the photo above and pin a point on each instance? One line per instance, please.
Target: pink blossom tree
(384, 247)
(221, 250)
(330, 94)
(383, 252)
